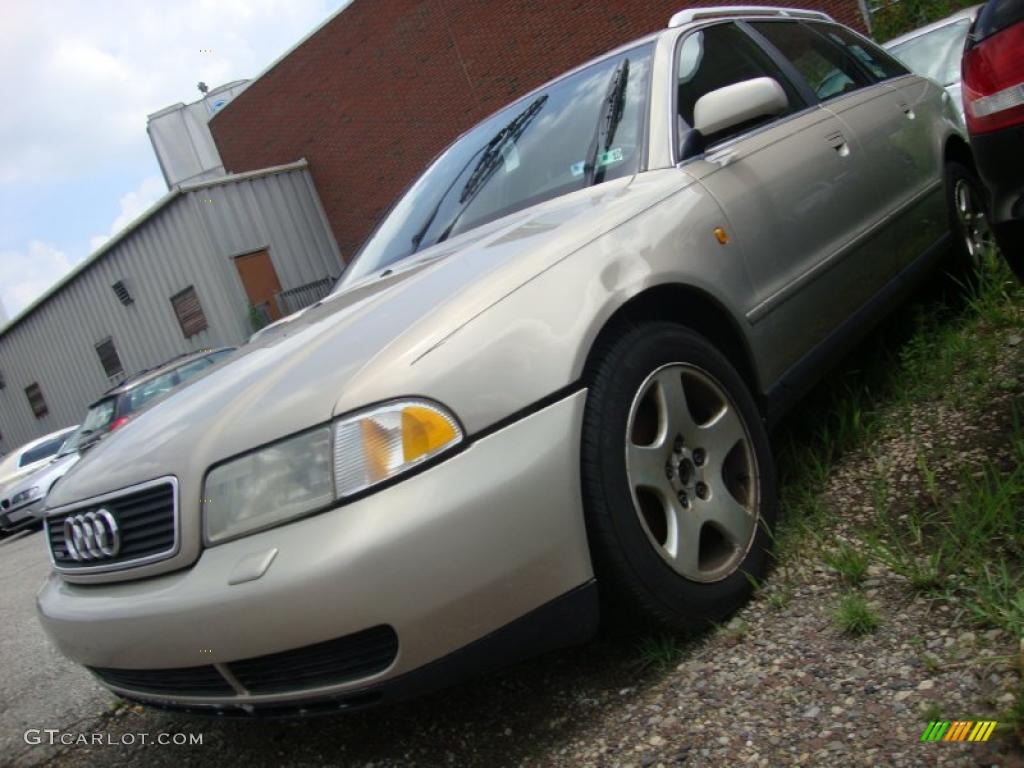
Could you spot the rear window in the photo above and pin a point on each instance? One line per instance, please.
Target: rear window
(41, 451)
(995, 16)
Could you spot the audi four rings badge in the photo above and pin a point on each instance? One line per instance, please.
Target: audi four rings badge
(92, 535)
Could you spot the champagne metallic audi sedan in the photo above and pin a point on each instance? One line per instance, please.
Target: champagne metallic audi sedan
(549, 372)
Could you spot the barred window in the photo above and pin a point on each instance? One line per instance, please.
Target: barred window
(35, 400)
(189, 312)
(122, 293)
(108, 357)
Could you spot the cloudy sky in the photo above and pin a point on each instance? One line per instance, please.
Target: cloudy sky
(77, 80)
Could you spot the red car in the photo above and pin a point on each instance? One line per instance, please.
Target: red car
(993, 92)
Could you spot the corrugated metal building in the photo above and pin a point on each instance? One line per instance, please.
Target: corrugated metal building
(181, 277)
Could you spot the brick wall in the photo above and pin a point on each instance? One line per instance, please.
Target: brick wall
(381, 88)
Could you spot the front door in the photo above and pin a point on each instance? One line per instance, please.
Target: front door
(259, 279)
(794, 192)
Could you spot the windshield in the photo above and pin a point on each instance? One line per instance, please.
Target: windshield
(71, 444)
(935, 54)
(538, 148)
(99, 416)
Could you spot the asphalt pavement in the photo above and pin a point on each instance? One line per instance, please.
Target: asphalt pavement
(501, 719)
(39, 688)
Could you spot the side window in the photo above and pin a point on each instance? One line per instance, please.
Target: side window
(718, 56)
(186, 372)
(829, 70)
(879, 63)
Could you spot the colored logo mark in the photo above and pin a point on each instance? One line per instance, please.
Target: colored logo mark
(958, 730)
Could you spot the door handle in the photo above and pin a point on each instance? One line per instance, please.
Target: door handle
(838, 142)
(907, 110)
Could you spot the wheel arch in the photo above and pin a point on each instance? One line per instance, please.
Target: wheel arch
(956, 148)
(693, 308)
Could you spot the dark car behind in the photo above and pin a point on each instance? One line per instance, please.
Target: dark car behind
(993, 92)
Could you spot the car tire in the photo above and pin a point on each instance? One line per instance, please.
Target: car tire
(968, 221)
(681, 549)
(1010, 237)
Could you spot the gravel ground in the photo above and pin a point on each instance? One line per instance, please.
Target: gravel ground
(778, 685)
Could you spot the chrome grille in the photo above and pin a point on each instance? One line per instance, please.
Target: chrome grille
(146, 518)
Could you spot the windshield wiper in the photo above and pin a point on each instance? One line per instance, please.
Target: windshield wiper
(491, 156)
(607, 122)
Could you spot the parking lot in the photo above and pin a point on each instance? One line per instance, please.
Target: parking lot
(39, 688)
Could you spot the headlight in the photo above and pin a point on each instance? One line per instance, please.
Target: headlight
(29, 494)
(270, 485)
(293, 477)
(378, 444)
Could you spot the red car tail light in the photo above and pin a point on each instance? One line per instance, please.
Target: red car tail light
(993, 81)
(118, 422)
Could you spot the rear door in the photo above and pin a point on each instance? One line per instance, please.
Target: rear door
(796, 189)
(917, 216)
(890, 113)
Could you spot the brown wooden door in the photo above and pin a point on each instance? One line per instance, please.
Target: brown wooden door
(260, 281)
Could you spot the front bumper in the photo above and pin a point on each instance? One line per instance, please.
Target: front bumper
(23, 516)
(444, 558)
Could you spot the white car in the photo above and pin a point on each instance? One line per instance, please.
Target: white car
(31, 456)
(935, 51)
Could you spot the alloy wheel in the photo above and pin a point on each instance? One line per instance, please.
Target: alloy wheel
(971, 214)
(692, 472)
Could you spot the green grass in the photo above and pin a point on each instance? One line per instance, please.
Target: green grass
(850, 563)
(780, 597)
(969, 547)
(659, 652)
(933, 711)
(855, 616)
(960, 538)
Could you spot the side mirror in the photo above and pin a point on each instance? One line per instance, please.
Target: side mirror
(738, 103)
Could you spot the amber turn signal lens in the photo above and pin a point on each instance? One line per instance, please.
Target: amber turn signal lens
(424, 431)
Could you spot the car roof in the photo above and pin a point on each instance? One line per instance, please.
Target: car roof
(151, 373)
(677, 22)
(967, 14)
(683, 20)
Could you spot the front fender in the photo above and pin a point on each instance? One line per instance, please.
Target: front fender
(535, 340)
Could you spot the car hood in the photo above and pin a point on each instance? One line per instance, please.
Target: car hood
(300, 373)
